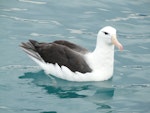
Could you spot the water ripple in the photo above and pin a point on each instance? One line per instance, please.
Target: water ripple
(137, 67)
(130, 16)
(14, 9)
(81, 31)
(47, 35)
(32, 20)
(132, 85)
(102, 9)
(33, 2)
(24, 19)
(20, 67)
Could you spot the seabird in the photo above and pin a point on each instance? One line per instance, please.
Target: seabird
(72, 62)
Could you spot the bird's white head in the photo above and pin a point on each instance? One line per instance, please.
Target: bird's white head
(101, 60)
(108, 37)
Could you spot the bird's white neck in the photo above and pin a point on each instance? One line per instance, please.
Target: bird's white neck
(102, 58)
(103, 49)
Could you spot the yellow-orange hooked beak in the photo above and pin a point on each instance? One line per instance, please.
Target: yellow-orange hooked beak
(116, 42)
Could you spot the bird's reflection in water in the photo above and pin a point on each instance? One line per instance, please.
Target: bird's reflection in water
(96, 92)
(101, 98)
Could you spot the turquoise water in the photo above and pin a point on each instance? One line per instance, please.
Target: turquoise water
(25, 88)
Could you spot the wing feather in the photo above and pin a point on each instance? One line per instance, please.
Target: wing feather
(61, 54)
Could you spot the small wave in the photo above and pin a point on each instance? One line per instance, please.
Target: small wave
(3, 107)
(14, 9)
(90, 12)
(27, 20)
(47, 35)
(143, 47)
(20, 67)
(102, 9)
(56, 22)
(131, 86)
(32, 20)
(33, 2)
(75, 31)
(140, 85)
(136, 67)
(130, 16)
(81, 31)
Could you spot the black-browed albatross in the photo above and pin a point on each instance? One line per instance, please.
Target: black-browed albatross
(72, 62)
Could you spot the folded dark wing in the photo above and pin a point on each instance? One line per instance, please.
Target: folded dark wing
(72, 46)
(58, 52)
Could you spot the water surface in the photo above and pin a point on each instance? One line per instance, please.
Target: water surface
(25, 88)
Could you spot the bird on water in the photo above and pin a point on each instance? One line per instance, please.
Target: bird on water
(69, 61)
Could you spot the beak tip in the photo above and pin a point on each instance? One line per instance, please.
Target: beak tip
(120, 47)
(117, 43)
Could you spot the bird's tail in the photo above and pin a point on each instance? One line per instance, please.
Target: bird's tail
(30, 49)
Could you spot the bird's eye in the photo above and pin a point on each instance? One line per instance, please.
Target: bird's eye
(105, 33)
